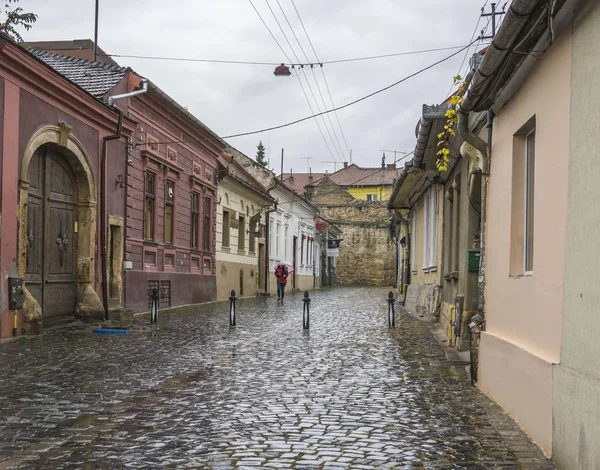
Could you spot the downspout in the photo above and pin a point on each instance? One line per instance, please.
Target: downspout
(484, 149)
(103, 214)
(406, 277)
(267, 246)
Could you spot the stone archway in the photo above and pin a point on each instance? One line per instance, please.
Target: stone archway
(88, 304)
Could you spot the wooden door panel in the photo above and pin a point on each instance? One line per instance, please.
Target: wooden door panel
(35, 227)
(60, 243)
(60, 247)
(51, 273)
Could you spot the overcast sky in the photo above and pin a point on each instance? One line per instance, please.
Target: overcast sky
(232, 99)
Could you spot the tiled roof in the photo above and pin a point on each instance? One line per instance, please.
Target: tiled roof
(297, 181)
(94, 77)
(353, 175)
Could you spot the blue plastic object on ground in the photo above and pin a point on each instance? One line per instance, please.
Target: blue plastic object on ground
(110, 331)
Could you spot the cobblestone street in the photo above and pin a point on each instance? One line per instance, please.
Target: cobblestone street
(195, 393)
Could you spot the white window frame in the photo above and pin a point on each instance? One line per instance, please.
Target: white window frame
(430, 228)
(529, 200)
(371, 197)
(278, 238)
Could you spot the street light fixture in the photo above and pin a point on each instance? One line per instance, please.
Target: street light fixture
(282, 71)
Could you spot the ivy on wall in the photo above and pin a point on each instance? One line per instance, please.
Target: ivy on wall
(443, 154)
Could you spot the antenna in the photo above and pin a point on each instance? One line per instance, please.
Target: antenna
(335, 164)
(307, 159)
(395, 152)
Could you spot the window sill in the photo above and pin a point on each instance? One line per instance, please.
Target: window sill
(241, 252)
(431, 269)
(225, 249)
(149, 242)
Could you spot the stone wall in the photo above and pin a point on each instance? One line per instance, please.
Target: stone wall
(367, 253)
(424, 300)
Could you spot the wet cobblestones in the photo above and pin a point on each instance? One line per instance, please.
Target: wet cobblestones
(195, 393)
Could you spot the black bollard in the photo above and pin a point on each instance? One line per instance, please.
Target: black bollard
(391, 313)
(306, 313)
(154, 307)
(232, 300)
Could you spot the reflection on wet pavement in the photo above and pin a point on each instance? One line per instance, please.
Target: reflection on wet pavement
(195, 393)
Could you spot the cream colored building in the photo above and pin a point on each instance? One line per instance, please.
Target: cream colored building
(539, 356)
(241, 218)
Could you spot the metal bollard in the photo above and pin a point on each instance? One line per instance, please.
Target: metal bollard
(391, 313)
(154, 308)
(232, 300)
(15, 331)
(306, 313)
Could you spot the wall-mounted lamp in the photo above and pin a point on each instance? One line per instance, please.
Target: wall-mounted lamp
(120, 181)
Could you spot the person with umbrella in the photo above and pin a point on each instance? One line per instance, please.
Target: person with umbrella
(282, 273)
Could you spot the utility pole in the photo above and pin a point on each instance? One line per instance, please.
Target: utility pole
(395, 152)
(493, 15)
(307, 159)
(96, 33)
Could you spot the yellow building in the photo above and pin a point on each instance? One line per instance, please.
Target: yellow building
(366, 184)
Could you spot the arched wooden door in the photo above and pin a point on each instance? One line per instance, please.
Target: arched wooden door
(51, 274)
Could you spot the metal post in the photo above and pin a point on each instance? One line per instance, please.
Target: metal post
(306, 313)
(391, 313)
(232, 300)
(96, 32)
(15, 331)
(154, 308)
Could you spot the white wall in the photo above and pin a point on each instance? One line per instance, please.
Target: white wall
(299, 219)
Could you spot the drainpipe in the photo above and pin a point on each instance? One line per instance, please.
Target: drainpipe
(484, 149)
(103, 214)
(406, 278)
(267, 246)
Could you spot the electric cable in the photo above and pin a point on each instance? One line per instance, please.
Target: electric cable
(339, 149)
(324, 77)
(305, 77)
(306, 118)
(287, 57)
(250, 62)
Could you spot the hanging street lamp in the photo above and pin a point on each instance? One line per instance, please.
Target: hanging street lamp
(282, 71)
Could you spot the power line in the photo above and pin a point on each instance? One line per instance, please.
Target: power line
(287, 57)
(290, 62)
(269, 30)
(324, 78)
(297, 121)
(305, 77)
(338, 149)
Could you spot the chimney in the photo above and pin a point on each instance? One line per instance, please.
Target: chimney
(391, 166)
(383, 161)
(310, 176)
(291, 178)
(345, 164)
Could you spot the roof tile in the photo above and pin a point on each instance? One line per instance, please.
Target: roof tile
(96, 78)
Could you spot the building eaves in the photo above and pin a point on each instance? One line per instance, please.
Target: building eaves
(521, 39)
(213, 136)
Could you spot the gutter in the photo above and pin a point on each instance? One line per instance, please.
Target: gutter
(103, 214)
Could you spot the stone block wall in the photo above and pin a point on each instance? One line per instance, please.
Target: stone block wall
(367, 253)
